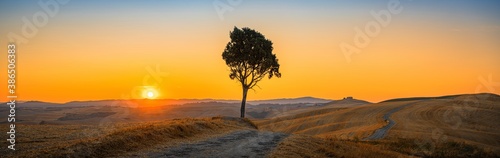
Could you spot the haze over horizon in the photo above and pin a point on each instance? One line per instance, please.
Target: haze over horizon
(96, 50)
(239, 100)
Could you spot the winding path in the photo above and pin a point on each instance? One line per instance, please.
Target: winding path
(245, 143)
(382, 132)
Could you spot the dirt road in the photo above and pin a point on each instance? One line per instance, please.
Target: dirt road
(380, 133)
(244, 143)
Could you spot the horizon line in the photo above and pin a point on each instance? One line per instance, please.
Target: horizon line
(251, 100)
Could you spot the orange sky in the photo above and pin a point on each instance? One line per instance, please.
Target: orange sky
(91, 53)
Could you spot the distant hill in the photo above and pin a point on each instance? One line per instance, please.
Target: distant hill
(291, 101)
(348, 100)
(37, 104)
(440, 97)
(159, 102)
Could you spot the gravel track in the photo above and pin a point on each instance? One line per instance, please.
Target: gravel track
(244, 143)
(382, 132)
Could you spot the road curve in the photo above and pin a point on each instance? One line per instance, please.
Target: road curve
(245, 143)
(381, 132)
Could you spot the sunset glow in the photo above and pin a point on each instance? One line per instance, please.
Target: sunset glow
(94, 50)
(150, 94)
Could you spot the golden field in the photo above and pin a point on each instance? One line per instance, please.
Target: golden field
(450, 126)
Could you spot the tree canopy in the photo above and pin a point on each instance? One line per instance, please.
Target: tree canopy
(249, 55)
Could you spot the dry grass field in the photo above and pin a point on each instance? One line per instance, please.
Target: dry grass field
(463, 125)
(299, 145)
(451, 126)
(472, 119)
(345, 123)
(117, 139)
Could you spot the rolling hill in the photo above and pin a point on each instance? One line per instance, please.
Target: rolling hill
(469, 119)
(448, 126)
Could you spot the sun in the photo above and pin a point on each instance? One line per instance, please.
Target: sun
(150, 93)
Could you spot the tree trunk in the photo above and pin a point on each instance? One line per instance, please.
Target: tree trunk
(243, 101)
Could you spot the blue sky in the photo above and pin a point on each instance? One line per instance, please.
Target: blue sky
(430, 48)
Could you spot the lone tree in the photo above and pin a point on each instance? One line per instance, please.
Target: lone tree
(250, 58)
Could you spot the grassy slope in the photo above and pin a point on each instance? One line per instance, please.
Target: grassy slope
(330, 132)
(472, 119)
(69, 141)
(463, 125)
(309, 146)
(345, 123)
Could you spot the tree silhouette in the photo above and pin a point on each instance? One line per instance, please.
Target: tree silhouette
(250, 58)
